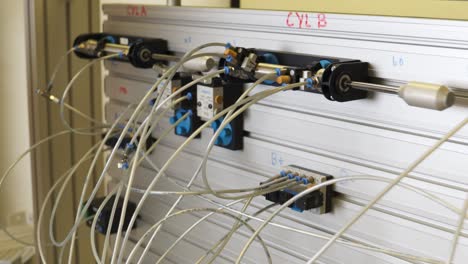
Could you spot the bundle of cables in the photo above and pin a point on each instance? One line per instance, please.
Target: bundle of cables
(136, 153)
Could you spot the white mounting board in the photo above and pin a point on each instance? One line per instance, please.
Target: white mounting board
(377, 136)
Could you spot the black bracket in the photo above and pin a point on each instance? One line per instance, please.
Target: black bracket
(337, 75)
(140, 50)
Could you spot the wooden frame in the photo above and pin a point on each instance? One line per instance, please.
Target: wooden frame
(53, 24)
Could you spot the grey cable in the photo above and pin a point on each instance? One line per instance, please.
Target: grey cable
(389, 187)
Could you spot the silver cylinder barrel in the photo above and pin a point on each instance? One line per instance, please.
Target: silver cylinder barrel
(269, 69)
(90, 46)
(201, 64)
(425, 95)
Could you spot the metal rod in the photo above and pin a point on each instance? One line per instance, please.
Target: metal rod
(109, 48)
(157, 56)
(374, 87)
(116, 48)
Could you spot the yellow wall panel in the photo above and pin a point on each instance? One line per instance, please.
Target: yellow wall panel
(208, 3)
(445, 9)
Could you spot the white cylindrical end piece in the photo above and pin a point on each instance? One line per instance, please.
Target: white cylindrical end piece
(200, 64)
(426, 95)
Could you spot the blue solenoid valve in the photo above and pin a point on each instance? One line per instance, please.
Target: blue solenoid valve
(185, 127)
(226, 136)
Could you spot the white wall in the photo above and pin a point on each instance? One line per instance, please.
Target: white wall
(16, 194)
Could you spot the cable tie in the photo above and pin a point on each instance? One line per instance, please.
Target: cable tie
(189, 96)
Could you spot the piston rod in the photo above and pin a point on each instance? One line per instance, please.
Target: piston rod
(372, 87)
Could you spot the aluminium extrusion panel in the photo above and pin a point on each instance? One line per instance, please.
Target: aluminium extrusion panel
(263, 150)
(377, 136)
